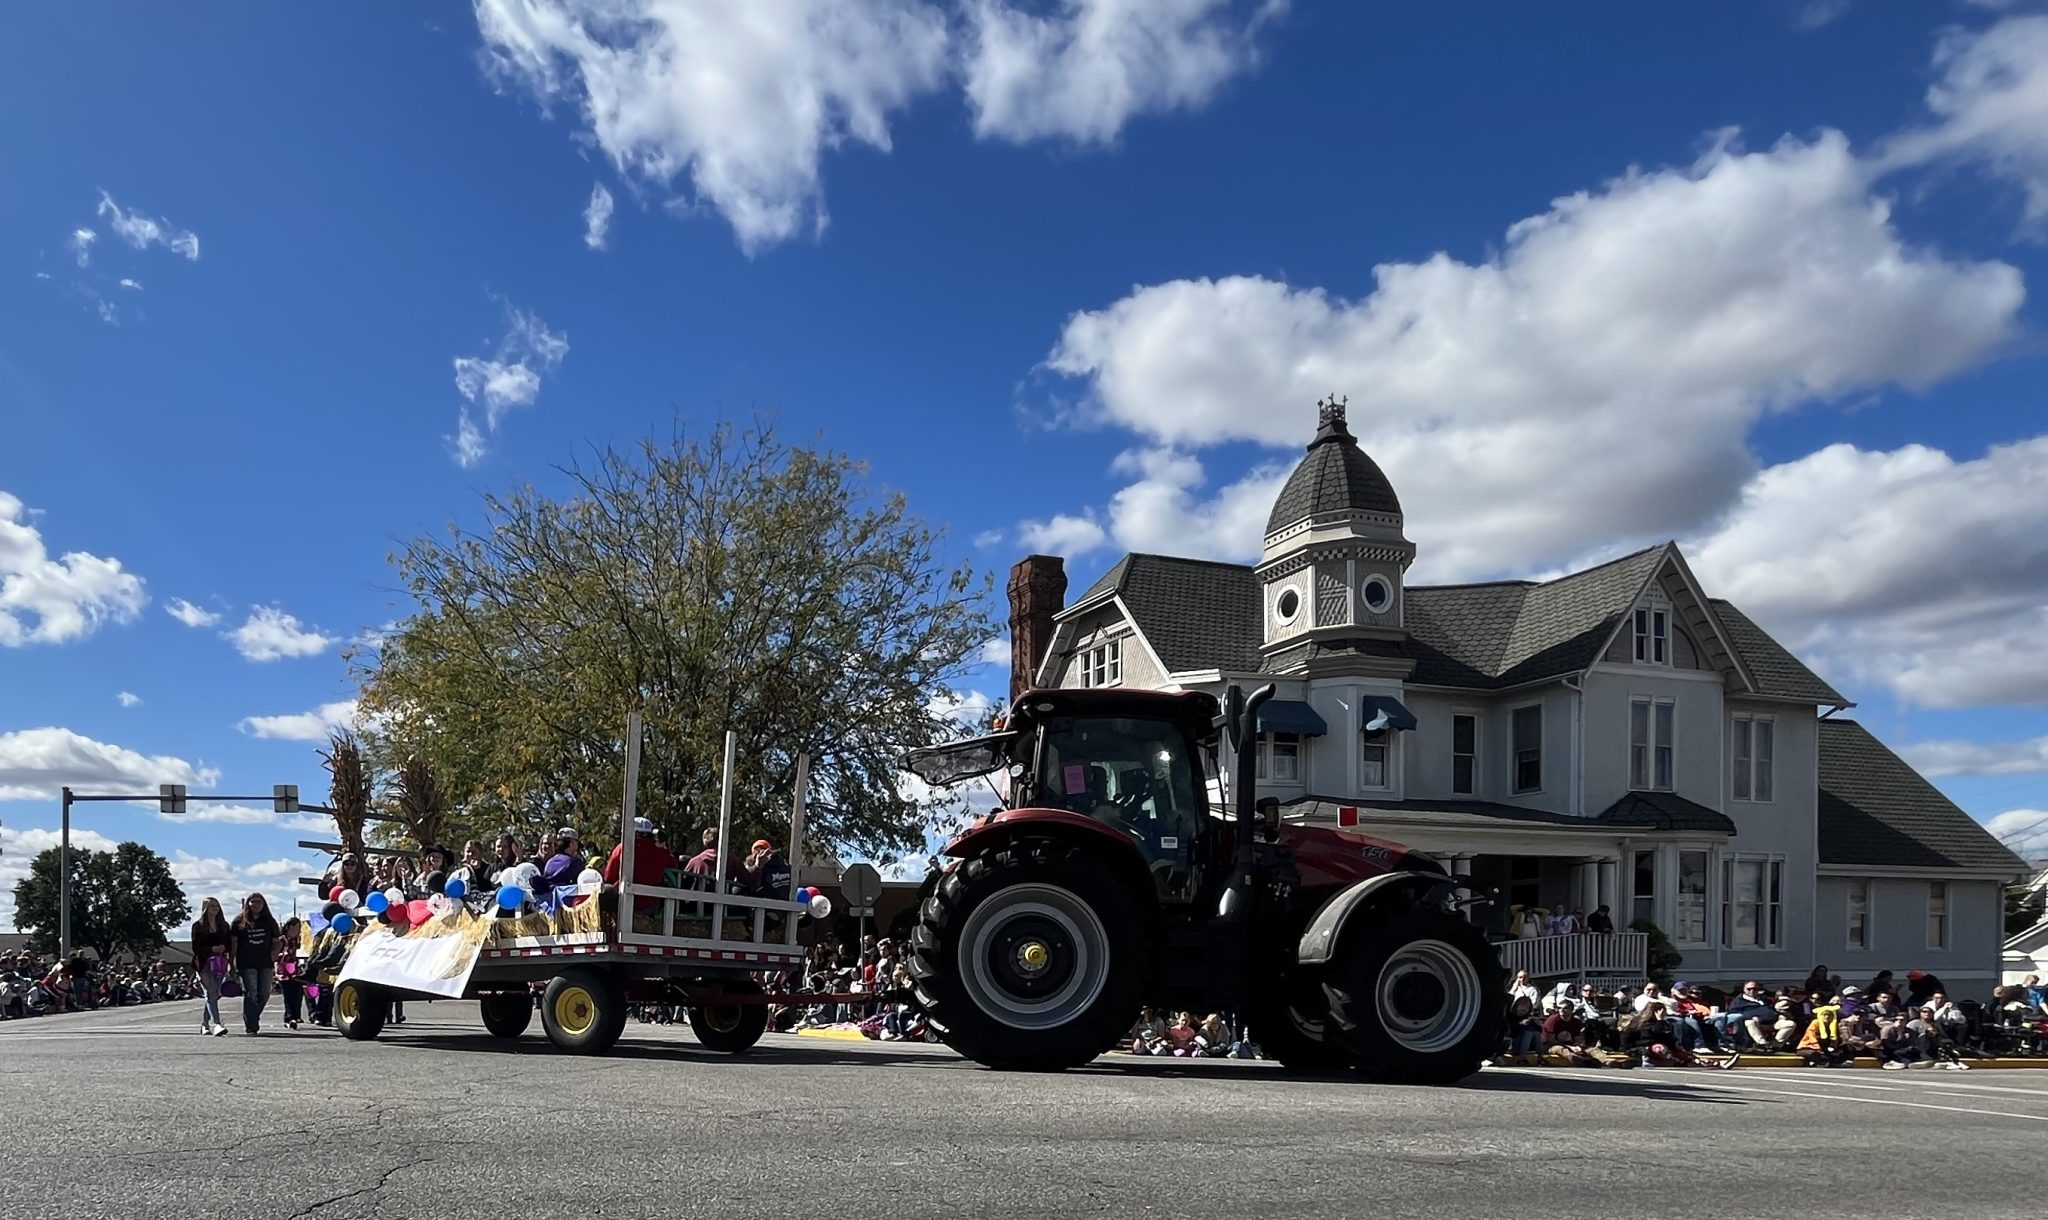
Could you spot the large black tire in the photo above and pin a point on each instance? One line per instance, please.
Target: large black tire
(360, 1011)
(1418, 998)
(730, 1029)
(583, 1011)
(507, 1013)
(1031, 957)
(1291, 1026)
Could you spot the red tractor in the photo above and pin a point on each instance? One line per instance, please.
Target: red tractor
(1108, 883)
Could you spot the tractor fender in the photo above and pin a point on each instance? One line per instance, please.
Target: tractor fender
(1319, 942)
(1114, 846)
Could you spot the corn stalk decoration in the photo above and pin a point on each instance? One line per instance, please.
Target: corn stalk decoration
(349, 792)
(422, 806)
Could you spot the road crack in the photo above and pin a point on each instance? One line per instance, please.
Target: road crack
(371, 1189)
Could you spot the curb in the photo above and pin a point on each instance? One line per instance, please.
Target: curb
(837, 1035)
(1793, 1061)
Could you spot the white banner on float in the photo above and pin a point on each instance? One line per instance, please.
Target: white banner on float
(435, 965)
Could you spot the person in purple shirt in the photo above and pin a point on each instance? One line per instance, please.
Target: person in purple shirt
(566, 864)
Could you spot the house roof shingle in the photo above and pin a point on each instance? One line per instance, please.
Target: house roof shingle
(1777, 672)
(1335, 476)
(1876, 810)
(1203, 614)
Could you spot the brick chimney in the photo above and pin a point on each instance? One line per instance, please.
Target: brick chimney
(1038, 590)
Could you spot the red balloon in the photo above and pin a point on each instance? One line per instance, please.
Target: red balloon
(418, 911)
(334, 895)
(398, 915)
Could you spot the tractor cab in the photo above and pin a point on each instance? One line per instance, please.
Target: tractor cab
(1135, 762)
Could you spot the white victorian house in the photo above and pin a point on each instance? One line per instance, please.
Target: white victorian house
(1615, 736)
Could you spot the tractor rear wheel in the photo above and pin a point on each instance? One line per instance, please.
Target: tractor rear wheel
(360, 1011)
(583, 1011)
(1030, 958)
(1418, 998)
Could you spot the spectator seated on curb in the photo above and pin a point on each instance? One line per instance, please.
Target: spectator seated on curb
(1148, 1037)
(1821, 1044)
(1692, 1018)
(1940, 1046)
(1743, 1021)
(1654, 1038)
(1525, 1032)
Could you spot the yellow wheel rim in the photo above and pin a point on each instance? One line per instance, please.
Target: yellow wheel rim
(575, 1011)
(346, 1002)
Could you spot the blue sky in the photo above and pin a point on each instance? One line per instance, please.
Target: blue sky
(1069, 275)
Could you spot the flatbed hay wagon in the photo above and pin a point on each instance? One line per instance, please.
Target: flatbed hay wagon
(620, 945)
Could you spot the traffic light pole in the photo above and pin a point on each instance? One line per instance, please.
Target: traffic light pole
(170, 798)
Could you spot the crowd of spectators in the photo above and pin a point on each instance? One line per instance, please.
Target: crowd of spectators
(1825, 1022)
(31, 985)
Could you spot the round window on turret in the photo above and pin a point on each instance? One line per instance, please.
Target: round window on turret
(1287, 606)
(1378, 592)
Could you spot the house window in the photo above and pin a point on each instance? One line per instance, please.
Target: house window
(1937, 914)
(1378, 593)
(1653, 637)
(1464, 755)
(1753, 742)
(1643, 888)
(1692, 898)
(1528, 747)
(1287, 606)
(1650, 724)
(1752, 902)
(1859, 914)
(1372, 771)
(1280, 757)
(1103, 665)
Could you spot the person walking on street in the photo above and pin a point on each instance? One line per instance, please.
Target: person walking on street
(256, 936)
(212, 943)
(289, 983)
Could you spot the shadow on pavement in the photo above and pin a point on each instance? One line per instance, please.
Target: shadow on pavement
(676, 1052)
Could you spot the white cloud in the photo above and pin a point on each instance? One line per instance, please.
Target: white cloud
(36, 763)
(509, 379)
(1163, 512)
(20, 845)
(189, 614)
(1659, 317)
(51, 601)
(1817, 13)
(996, 651)
(142, 232)
(1990, 106)
(1062, 534)
(81, 241)
(215, 877)
(1978, 757)
(224, 815)
(597, 217)
(2021, 830)
(131, 285)
(1082, 69)
(128, 699)
(1905, 568)
(303, 726)
(108, 312)
(743, 99)
(269, 634)
(277, 868)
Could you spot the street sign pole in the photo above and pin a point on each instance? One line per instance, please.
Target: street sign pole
(64, 884)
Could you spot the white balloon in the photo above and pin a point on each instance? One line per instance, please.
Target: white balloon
(350, 900)
(395, 894)
(821, 906)
(439, 904)
(590, 876)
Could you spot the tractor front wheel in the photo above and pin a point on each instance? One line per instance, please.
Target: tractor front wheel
(507, 1013)
(360, 1011)
(1030, 958)
(1417, 998)
(583, 1010)
(1293, 1028)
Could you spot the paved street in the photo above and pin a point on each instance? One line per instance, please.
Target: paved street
(132, 1114)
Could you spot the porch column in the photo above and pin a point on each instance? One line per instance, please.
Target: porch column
(1610, 888)
(1461, 868)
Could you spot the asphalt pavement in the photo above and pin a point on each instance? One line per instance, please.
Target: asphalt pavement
(133, 1114)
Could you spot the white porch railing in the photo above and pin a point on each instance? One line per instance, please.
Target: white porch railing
(1587, 954)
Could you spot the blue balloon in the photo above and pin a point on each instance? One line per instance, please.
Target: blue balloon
(511, 897)
(343, 924)
(455, 889)
(377, 903)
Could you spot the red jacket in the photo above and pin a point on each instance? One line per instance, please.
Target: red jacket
(650, 862)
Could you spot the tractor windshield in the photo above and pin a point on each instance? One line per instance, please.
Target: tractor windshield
(1136, 773)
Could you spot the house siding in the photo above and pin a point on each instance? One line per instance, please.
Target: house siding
(1898, 932)
(1696, 756)
(1559, 771)
(1097, 625)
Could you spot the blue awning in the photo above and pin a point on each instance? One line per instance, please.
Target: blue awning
(1398, 717)
(1291, 716)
